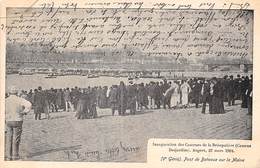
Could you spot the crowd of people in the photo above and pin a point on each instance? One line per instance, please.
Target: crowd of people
(154, 95)
(120, 98)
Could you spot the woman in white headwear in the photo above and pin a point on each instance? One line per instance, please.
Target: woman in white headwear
(175, 99)
(185, 90)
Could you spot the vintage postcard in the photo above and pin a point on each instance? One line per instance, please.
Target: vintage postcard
(134, 83)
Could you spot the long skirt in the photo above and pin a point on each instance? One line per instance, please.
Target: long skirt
(244, 102)
(81, 112)
(175, 99)
(216, 106)
(250, 105)
(184, 99)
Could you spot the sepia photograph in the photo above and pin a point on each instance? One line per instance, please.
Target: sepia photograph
(95, 84)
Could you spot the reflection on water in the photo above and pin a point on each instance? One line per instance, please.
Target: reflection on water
(27, 82)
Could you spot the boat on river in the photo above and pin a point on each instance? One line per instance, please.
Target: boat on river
(51, 75)
(92, 76)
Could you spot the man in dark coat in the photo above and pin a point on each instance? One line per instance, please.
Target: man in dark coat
(113, 98)
(103, 97)
(93, 103)
(131, 97)
(205, 93)
(231, 91)
(99, 94)
(142, 97)
(39, 102)
(225, 83)
(237, 88)
(122, 94)
(75, 94)
(197, 92)
(158, 95)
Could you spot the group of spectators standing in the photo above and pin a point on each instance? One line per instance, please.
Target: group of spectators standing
(154, 95)
(182, 93)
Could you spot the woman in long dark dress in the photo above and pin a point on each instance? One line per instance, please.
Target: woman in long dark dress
(217, 105)
(249, 94)
(244, 87)
(82, 106)
(122, 97)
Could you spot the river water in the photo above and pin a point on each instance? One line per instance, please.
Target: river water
(27, 82)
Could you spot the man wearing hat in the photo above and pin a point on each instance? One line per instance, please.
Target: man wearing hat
(15, 108)
(231, 91)
(131, 97)
(39, 103)
(122, 98)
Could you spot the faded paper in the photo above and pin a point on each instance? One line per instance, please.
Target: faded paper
(131, 36)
